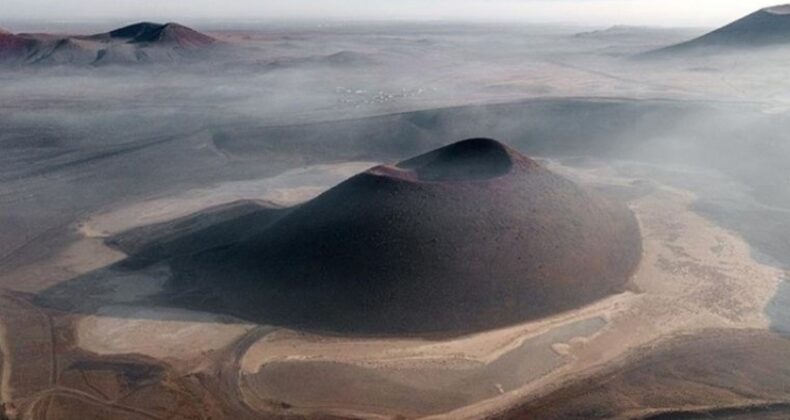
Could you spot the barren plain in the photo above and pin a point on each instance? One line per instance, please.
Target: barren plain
(108, 173)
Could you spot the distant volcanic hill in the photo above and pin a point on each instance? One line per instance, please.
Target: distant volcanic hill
(467, 237)
(139, 43)
(13, 46)
(170, 33)
(765, 27)
(621, 32)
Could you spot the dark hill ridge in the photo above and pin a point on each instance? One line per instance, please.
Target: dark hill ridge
(168, 33)
(475, 159)
(210, 228)
(142, 30)
(766, 27)
(13, 46)
(139, 43)
(336, 60)
(468, 237)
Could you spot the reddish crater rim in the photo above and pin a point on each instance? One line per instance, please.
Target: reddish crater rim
(477, 159)
(393, 172)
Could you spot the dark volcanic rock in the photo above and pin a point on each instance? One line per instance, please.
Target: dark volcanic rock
(766, 27)
(137, 30)
(139, 43)
(210, 228)
(468, 237)
(172, 33)
(14, 46)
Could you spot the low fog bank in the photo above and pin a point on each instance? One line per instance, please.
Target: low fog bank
(339, 71)
(77, 140)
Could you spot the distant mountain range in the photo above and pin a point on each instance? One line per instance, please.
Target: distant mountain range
(143, 42)
(619, 31)
(766, 27)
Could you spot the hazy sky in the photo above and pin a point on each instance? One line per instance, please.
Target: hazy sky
(597, 12)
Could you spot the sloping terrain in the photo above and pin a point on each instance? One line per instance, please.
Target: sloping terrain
(720, 374)
(13, 46)
(154, 33)
(766, 27)
(210, 228)
(470, 236)
(139, 43)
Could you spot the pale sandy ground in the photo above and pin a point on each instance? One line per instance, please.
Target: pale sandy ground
(153, 332)
(89, 253)
(289, 188)
(694, 275)
(175, 335)
(84, 255)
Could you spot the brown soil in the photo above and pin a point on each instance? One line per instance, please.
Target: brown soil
(718, 374)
